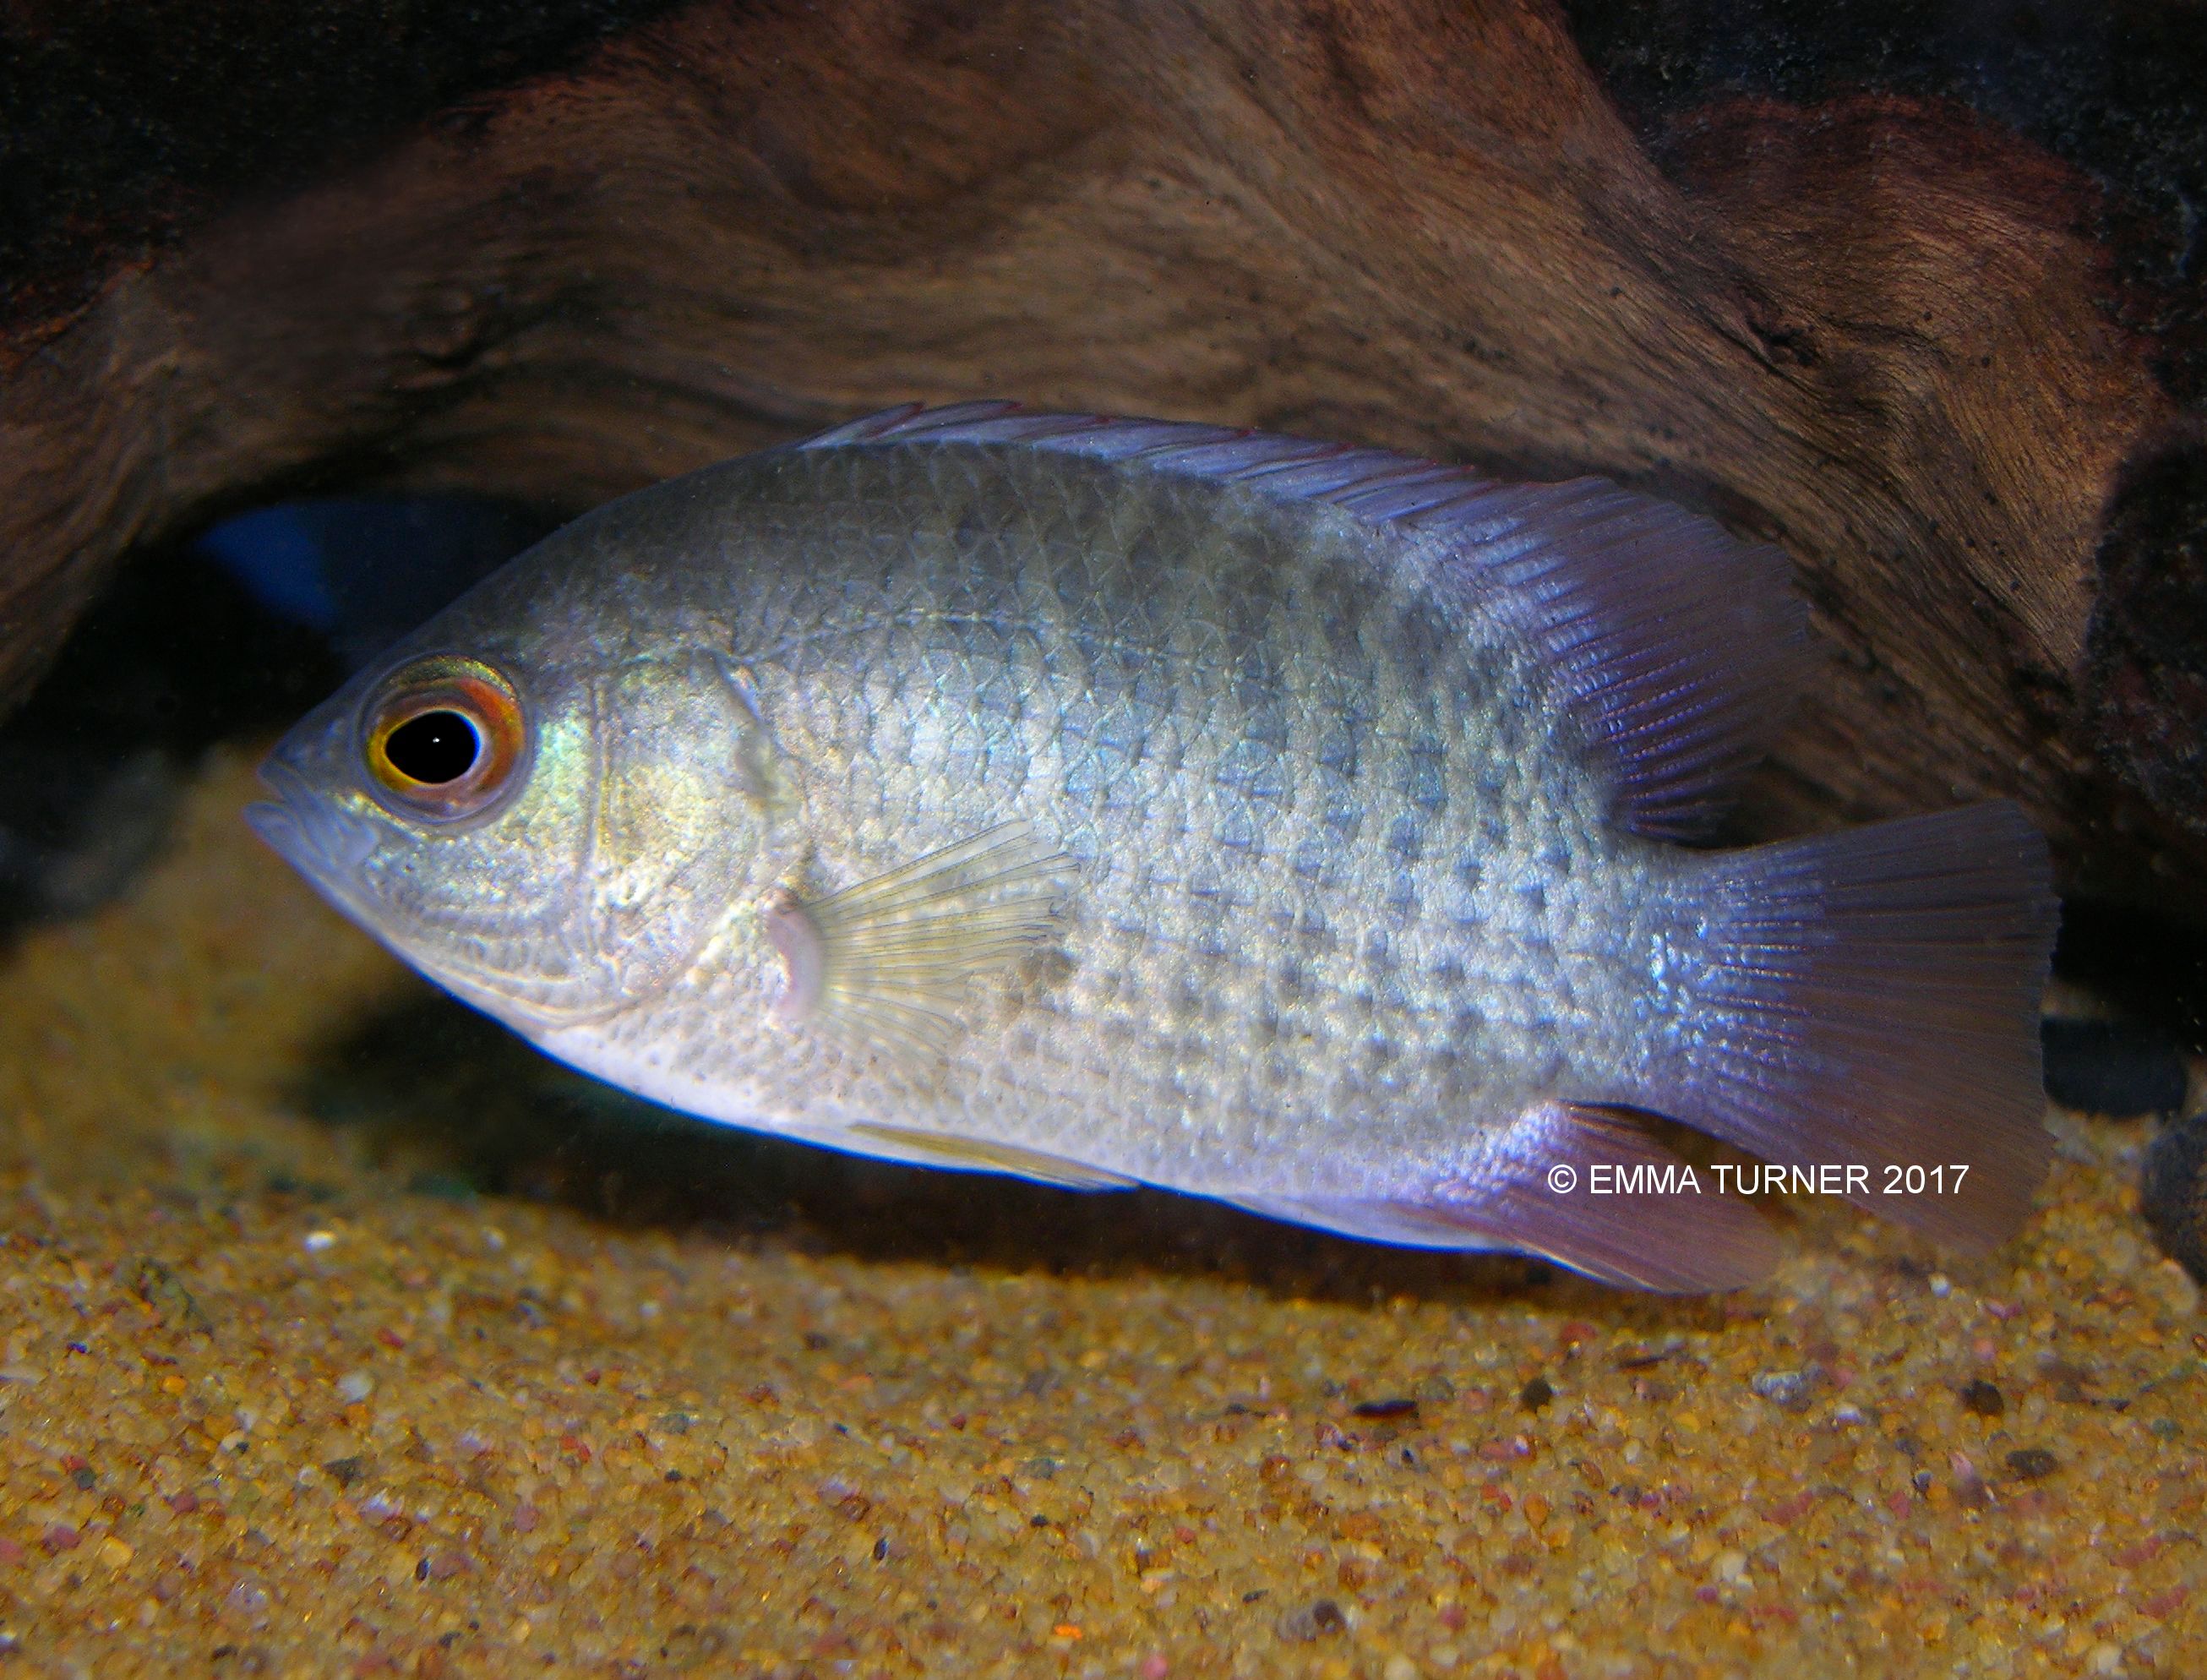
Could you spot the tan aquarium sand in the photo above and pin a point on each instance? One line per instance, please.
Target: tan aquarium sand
(345, 1337)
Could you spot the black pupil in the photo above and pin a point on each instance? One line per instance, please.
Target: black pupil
(436, 747)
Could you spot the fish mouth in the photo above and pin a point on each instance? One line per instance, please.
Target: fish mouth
(307, 832)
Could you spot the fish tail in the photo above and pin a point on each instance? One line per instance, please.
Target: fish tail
(1870, 998)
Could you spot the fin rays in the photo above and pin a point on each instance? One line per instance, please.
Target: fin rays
(884, 963)
(1679, 648)
(1872, 995)
(944, 1149)
(1652, 1234)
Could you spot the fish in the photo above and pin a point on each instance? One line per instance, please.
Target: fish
(1109, 802)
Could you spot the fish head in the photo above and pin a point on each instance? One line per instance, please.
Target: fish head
(553, 837)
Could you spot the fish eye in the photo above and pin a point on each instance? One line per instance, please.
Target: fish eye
(434, 747)
(443, 739)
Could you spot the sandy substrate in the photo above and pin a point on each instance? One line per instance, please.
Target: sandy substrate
(341, 1336)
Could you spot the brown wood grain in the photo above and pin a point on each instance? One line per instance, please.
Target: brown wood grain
(1878, 333)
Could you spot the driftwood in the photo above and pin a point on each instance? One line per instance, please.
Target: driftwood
(1877, 332)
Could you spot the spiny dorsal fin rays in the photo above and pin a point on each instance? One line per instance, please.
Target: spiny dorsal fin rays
(1681, 648)
(883, 965)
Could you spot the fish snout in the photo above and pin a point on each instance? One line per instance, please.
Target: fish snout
(305, 829)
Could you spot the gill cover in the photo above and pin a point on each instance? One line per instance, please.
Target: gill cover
(595, 887)
(676, 820)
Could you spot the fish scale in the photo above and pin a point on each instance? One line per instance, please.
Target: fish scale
(1219, 886)
(1129, 801)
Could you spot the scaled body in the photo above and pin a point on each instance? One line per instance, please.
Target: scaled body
(1265, 820)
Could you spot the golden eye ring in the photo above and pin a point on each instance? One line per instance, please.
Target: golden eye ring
(443, 739)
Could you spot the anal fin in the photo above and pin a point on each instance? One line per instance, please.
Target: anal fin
(883, 965)
(1635, 1214)
(944, 1149)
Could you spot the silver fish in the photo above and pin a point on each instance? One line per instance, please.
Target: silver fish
(1118, 802)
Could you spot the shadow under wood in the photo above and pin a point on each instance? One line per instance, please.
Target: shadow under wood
(175, 657)
(459, 1106)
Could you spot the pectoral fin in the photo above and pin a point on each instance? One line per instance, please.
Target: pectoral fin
(884, 964)
(975, 1155)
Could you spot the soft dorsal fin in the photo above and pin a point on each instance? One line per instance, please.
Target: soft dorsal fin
(1681, 647)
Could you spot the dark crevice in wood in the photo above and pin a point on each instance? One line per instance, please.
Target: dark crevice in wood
(2148, 642)
(125, 123)
(2119, 91)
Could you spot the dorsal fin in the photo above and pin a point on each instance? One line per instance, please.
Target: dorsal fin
(1681, 647)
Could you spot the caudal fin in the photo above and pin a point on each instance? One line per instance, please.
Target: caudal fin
(1870, 998)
